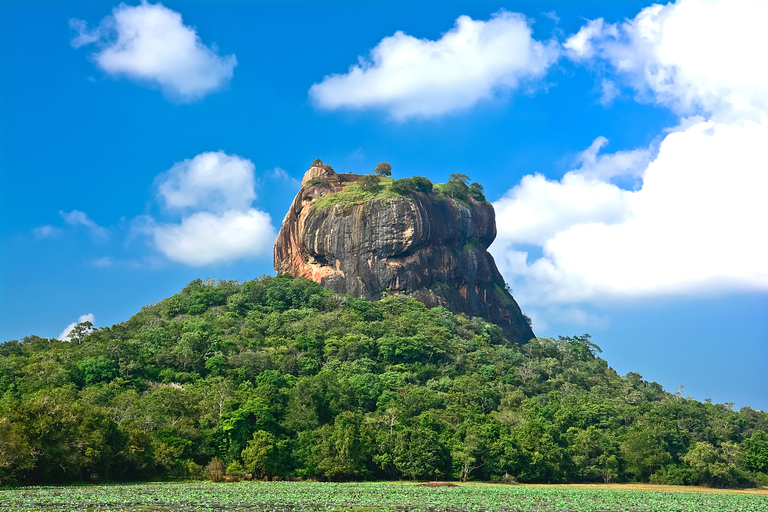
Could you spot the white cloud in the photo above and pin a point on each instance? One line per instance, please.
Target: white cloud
(691, 55)
(537, 209)
(694, 226)
(552, 15)
(151, 44)
(214, 192)
(212, 180)
(45, 231)
(104, 262)
(609, 91)
(64, 336)
(204, 237)
(579, 46)
(279, 174)
(594, 165)
(410, 77)
(76, 217)
(696, 223)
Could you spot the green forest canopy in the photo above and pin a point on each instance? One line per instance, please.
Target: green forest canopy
(280, 377)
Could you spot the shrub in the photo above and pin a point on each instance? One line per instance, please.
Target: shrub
(369, 183)
(422, 184)
(215, 470)
(235, 469)
(403, 186)
(673, 475)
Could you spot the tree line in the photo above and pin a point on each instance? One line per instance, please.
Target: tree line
(279, 377)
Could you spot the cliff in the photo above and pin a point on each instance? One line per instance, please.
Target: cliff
(426, 245)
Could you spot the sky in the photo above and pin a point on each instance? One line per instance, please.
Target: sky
(623, 145)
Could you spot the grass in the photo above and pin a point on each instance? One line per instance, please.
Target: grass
(385, 496)
(352, 195)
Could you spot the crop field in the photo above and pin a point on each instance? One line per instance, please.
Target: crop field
(312, 496)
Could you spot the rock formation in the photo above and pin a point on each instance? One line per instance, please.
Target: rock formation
(426, 245)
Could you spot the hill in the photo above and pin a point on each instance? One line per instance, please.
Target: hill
(281, 377)
(368, 235)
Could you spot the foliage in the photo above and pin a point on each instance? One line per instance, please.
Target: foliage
(369, 183)
(756, 456)
(311, 496)
(477, 192)
(383, 169)
(404, 186)
(457, 187)
(278, 377)
(353, 193)
(407, 186)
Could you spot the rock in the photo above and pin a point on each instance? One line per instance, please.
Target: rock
(428, 247)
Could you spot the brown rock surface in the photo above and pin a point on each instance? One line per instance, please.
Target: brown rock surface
(434, 250)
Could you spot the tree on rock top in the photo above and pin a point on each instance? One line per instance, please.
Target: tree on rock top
(383, 169)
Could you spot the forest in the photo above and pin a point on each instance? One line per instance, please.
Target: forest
(280, 378)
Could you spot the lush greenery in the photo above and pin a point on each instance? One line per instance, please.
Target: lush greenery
(280, 377)
(368, 188)
(308, 496)
(381, 187)
(459, 188)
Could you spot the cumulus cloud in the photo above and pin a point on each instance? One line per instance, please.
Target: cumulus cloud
(64, 336)
(410, 77)
(150, 43)
(214, 192)
(537, 209)
(692, 55)
(695, 225)
(78, 218)
(597, 166)
(580, 46)
(204, 237)
(212, 180)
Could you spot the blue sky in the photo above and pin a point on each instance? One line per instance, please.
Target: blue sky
(622, 143)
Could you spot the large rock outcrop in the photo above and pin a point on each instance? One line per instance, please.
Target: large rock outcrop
(428, 247)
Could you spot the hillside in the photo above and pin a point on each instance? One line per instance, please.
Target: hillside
(281, 377)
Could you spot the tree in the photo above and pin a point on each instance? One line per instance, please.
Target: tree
(715, 466)
(383, 169)
(594, 454)
(259, 456)
(477, 192)
(342, 449)
(457, 187)
(458, 178)
(467, 455)
(757, 452)
(80, 331)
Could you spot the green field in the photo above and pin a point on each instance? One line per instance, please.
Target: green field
(309, 496)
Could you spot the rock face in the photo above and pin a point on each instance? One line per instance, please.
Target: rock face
(434, 250)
